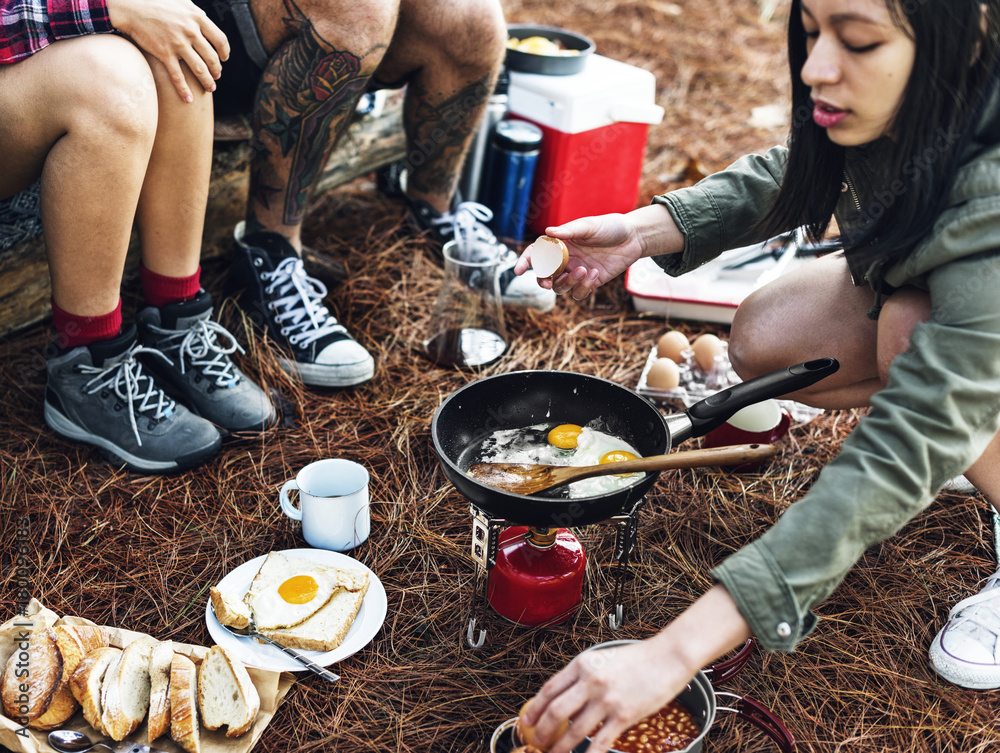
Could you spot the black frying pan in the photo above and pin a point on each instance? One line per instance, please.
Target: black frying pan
(527, 398)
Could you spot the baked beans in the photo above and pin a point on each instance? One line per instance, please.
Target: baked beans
(671, 728)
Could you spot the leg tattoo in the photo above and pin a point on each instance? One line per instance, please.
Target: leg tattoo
(304, 102)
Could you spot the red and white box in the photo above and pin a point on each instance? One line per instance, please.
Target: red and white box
(594, 130)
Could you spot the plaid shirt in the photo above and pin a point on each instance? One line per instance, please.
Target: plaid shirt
(26, 26)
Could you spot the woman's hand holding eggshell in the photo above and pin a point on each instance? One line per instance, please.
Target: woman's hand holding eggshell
(549, 257)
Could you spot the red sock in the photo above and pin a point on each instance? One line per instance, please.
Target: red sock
(73, 331)
(160, 290)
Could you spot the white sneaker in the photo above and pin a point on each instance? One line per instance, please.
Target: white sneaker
(959, 485)
(967, 650)
(523, 290)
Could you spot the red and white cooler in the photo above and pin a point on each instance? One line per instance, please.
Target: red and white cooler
(594, 129)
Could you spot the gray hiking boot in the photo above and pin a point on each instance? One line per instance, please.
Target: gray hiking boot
(99, 394)
(200, 373)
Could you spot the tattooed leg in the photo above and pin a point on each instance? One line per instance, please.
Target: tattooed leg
(306, 97)
(449, 52)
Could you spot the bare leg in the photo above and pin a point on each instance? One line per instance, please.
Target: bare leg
(171, 211)
(449, 52)
(812, 312)
(322, 55)
(817, 311)
(81, 115)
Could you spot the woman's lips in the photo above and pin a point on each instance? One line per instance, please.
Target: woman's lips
(827, 116)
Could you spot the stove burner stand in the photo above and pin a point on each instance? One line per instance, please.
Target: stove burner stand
(486, 532)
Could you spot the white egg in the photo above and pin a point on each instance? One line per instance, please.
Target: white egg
(292, 601)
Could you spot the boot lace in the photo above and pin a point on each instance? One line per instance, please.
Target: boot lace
(297, 304)
(136, 389)
(206, 346)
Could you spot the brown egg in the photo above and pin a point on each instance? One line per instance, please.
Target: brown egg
(524, 734)
(706, 347)
(671, 345)
(664, 374)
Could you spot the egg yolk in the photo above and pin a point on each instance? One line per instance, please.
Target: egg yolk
(299, 589)
(565, 436)
(617, 456)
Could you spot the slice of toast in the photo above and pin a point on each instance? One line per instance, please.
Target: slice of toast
(229, 609)
(125, 692)
(226, 695)
(160, 659)
(324, 629)
(86, 682)
(184, 704)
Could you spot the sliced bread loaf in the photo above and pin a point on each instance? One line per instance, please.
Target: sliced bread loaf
(184, 703)
(37, 664)
(88, 679)
(125, 692)
(73, 642)
(160, 659)
(226, 695)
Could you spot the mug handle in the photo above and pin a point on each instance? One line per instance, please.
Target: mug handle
(286, 504)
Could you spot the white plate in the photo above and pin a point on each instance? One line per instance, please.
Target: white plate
(264, 656)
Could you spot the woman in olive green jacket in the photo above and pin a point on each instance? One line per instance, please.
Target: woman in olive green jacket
(896, 133)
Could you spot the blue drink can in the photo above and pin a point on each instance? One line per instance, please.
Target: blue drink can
(514, 147)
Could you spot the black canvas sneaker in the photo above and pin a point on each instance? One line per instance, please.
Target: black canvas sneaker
(281, 299)
(100, 394)
(469, 223)
(200, 373)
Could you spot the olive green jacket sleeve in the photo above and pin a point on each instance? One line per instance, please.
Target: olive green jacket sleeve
(935, 416)
(720, 212)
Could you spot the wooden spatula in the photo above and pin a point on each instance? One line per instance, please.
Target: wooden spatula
(525, 478)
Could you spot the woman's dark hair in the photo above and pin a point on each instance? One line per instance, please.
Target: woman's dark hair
(954, 74)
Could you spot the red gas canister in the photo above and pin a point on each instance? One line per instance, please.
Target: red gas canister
(538, 577)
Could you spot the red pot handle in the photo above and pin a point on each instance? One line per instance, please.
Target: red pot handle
(762, 718)
(724, 671)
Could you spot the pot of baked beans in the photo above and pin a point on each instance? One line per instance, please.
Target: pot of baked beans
(681, 725)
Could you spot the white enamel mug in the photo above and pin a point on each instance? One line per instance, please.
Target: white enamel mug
(333, 503)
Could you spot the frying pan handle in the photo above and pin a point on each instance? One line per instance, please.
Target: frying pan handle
(763, 719)
(715, 409)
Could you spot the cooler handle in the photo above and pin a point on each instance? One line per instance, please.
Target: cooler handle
(635, 112)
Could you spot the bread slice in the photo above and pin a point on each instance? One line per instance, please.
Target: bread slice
(184, 704)
(86, 682)
(73, 643)
(37, 665)
(125, 692)
(326, 629)
(160, 659)
(229, 610)
(226, 695)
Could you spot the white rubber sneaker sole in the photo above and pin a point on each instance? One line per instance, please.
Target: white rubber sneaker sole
(325, 375)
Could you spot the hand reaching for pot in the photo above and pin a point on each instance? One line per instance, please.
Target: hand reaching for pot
(618, 686)
(603, 247)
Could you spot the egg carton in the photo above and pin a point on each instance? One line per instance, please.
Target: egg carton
(697, 383)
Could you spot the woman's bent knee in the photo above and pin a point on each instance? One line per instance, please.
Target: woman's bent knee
(109, 89)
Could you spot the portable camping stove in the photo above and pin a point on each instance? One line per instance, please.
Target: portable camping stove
(534, 576)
